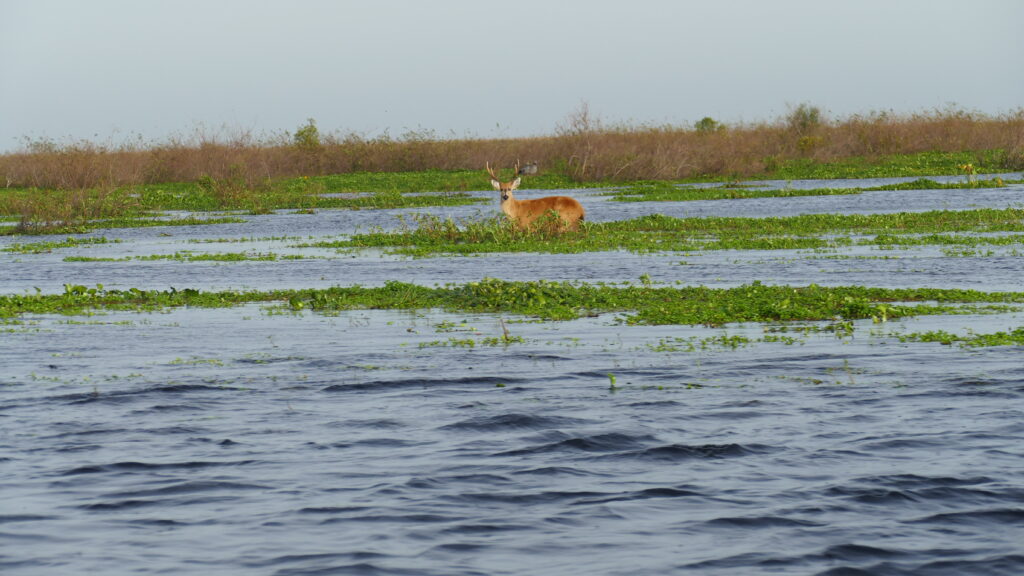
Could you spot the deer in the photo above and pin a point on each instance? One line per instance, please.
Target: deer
(525, 212)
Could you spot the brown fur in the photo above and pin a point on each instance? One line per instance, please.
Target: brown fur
(525, 212)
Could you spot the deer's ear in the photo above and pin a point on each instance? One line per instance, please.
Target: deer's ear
(515, 183)
(496, 184)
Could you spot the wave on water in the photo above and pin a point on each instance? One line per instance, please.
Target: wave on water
(400, 383)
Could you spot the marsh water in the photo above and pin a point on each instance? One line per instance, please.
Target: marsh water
(249, 440)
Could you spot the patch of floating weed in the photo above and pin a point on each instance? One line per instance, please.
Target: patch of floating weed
(555, 301)
(889, 240)
(242, 240)
(187, 256)
(448, 326)
(95, 259)
(694, 343)
(129, 222)
(42, 247)
(969, 340)
(450, 343)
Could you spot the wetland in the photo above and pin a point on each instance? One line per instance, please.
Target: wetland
(381, 376)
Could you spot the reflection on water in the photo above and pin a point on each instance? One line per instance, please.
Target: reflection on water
(241, 441)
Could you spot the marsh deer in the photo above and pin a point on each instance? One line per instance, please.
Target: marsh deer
(524, 212)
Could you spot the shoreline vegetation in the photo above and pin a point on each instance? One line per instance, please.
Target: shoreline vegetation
(583, 149)
(55, 187)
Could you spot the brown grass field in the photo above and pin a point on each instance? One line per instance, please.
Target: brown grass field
(582, 148)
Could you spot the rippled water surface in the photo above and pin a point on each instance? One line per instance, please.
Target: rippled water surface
(248, 441)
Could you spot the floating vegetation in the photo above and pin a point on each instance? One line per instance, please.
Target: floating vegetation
(970, 340)
(121, 222)
(43, 247)
(647, 305)
(187, 256)
(242, 240)
(429, 235)
(694, 343)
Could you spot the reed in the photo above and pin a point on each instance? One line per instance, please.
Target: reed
(581, 149)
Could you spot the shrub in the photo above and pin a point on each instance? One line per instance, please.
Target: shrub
(804, 119)
(307, 137)
(708, 125)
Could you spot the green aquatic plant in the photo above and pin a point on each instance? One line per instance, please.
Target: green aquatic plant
(970, 340)
(887, 166)
(650, 305)
(125, 222)
(187, 256)
(429, 235)
(42, 247)
(694, 343)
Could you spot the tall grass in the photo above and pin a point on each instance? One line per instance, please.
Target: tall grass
(49, 210)
(582, 148)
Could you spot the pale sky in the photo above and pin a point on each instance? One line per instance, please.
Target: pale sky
(112, 70)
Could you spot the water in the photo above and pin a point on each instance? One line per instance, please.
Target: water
(241, 441)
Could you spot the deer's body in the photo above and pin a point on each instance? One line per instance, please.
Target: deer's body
(525, 212)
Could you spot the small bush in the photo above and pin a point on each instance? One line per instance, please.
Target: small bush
(708, 125)
(307, 137)
(230, 191)
(804, 119)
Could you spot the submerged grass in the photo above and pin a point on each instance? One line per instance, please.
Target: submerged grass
(428, 235)
(188, 256)
(50, 246)
(643, 304)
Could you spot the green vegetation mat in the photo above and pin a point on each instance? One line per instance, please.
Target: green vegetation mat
(638, 304)
(429, 235)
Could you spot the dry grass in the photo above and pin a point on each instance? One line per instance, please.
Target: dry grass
(583, 148)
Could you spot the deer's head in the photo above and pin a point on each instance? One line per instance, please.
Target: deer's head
(505, 188)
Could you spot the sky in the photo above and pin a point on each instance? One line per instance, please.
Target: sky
(110, 71)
